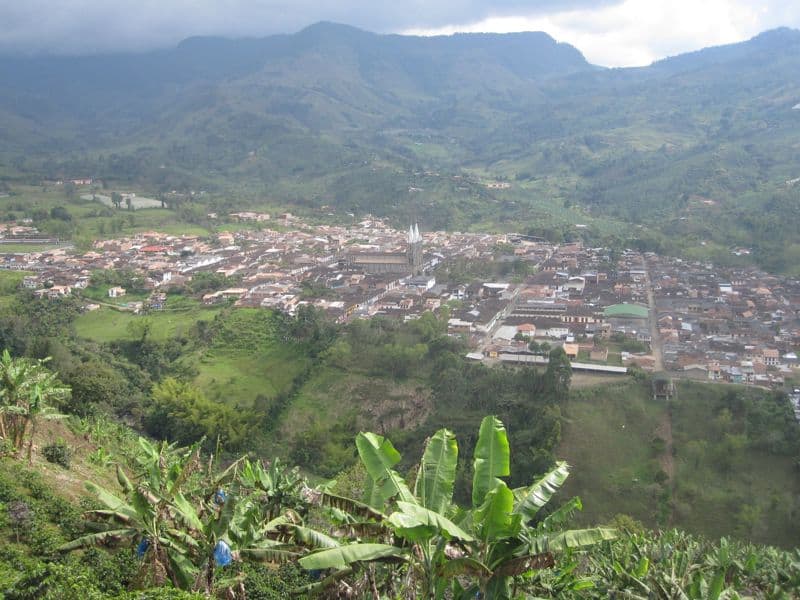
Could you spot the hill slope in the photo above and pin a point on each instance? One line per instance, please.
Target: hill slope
(337, 116)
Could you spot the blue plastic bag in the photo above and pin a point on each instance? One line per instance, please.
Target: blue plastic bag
(222, 554)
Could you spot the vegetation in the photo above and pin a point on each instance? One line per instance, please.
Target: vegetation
(705, 165)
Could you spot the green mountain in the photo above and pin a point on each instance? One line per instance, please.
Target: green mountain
(701, 146)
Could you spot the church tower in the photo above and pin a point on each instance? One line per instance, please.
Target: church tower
(414, 252)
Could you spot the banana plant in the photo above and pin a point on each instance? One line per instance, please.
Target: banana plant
(487, 546)
(28, 391)
(180, 536)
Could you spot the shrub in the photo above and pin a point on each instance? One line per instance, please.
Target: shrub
(58, 453)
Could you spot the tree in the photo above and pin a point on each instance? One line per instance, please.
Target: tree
(128, 203)
(559, 371)
(28, 392)
(116, 199)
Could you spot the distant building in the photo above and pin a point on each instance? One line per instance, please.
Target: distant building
(409, 262)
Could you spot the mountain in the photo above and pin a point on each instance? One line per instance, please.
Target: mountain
(339, 116)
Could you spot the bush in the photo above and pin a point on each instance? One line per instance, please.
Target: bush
(59, 453)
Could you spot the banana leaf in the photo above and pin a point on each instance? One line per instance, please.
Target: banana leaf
(492, 458)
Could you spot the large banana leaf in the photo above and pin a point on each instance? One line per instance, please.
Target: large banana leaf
(278, 555)
(535, 496)
(182, 568)
(353, 507)
(494, 519)
(123, 480)
(187, 512)
(339, 558)
(113, 502)
(492, 458)
(98, 539)
(437, 472)
(311, 538)
(464, 566)
(575, 538)
(379, 456)
(561, 515)
(411, 517)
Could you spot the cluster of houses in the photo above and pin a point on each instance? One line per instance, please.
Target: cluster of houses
(736, 325)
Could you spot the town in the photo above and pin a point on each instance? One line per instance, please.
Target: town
(610, 310)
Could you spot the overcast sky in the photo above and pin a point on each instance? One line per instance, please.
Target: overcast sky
(608, 32)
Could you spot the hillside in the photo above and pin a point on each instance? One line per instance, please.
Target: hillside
(700, 146)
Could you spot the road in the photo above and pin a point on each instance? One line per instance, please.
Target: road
(655, 338)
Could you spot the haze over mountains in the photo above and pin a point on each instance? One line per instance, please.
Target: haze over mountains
(331, 106)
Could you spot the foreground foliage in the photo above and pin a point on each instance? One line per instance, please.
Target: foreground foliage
(444, 550)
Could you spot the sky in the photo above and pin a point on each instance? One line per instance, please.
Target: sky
(609, 32)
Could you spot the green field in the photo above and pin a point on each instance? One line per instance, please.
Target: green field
(245, 362)
(617, 467)
(89, 219)
(238, 376)
(607, 441)
(108, 325)
(23, 248)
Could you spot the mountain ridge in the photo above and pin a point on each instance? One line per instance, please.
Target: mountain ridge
(351, 115)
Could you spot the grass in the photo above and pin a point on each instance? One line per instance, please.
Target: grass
(247, 361)
(107, 325)
(607, 441)
(23, 248)
(238, 376)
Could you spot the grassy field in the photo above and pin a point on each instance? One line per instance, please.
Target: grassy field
(238, 376)
(90, 218)
(23, 248)
(108, 325)
(608, 439)
(245, 362)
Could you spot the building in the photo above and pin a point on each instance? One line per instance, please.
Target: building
(410, 262)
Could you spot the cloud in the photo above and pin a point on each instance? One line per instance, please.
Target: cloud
(88, 26)
(637, 32)
(608, 32)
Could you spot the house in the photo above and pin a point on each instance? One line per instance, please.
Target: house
(770, 357)
(527, 330)
(571, 350)
(116, 292)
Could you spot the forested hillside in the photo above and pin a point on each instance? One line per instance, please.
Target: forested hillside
(701, 146)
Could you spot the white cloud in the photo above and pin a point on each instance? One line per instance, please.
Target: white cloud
(637, 32)
(608, 32)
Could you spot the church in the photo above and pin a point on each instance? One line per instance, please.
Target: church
(408, 262)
